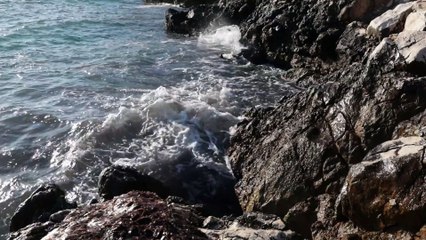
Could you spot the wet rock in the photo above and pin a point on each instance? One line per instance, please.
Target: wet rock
(304, 147)
(251, 226)
(35, 231)
(135, 214)
(39, 206)
(379, 191)
(412, 46)
(416, 21)
(116, 180)
(190, 21)
(391, 21)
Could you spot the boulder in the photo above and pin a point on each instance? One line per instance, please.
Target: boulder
(116, 180)
(416, 21)
(136, 214)
(39, 206)
(379, 191)
(391, 21)
(412, 46)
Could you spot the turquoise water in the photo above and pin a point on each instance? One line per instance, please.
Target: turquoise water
(87, 84)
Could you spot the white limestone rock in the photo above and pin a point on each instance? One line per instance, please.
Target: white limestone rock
(412, 46)
(416, 21)
(391, 21)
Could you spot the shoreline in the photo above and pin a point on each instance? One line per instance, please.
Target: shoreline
(341, 159)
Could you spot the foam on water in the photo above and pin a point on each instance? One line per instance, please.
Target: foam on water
(87, 84)
(227, 37)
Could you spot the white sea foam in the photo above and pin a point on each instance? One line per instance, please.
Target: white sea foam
(227, 37)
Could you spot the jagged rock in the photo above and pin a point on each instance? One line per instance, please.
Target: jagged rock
(190, 21)
(363, 10)
(379, 191)
(116, 180)
(303, 148)
(391, 21)
(251, 226)
(416, 21)
(39, 206)
(35, 231)
(301, 216)
(135, 214)
(353, 42)
(412, 46)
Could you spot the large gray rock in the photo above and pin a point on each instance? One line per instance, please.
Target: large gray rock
(412, 46)
(391, 21)
(379, 191)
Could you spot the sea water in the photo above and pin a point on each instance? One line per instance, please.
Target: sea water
(88, 84)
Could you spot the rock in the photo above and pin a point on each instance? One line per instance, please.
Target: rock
(347, 231)
(379, 191)
(136, 214)
(190, 21)
(34, 231)
(301, 216)
(353, 42)
(116, 180)
(416, 21)
(251, 226)
(39, 206)
(412, 46)
(304, 147)
(59, 216)
(363, 10)
(391, 21)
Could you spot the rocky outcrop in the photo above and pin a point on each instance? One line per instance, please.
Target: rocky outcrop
(39, 206)
(391, 21)
(379, 191)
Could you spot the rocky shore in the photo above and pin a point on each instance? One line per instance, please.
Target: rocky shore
(342, 158)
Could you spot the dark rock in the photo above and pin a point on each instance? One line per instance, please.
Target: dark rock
(116, 180)
(304, 147)
(39, 206)
(379, 191)
(190, 21)
(141, 215)
(301, 216)
(35, 231)
(59, 216)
